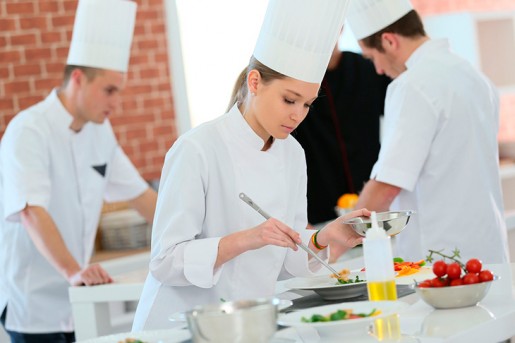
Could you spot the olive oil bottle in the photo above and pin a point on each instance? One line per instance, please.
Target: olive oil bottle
(380, 274)
(382, 290)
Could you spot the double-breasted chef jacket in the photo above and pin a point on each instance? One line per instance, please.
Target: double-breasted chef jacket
(199, 203)
(44, 163)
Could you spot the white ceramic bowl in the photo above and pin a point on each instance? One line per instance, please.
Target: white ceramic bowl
(455, 296)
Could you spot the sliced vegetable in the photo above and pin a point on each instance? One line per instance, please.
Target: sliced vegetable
(356, 280)
(400, 265)
(343, 277)
(339, 315)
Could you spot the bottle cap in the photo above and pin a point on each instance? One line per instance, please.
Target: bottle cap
(375, 232)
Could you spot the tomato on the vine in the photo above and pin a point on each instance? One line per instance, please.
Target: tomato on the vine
(454, 271)
(425, 284)
(470, 278)
(473, 265)
(485, 275)
(450, 274)
(456, 282)
(440, 268)
(439, 282)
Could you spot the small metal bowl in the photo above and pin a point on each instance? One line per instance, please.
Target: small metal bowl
(454, 296)
(234, 322)
(392, 222)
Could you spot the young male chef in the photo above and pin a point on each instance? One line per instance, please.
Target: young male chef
(439, 152)
(59, 160)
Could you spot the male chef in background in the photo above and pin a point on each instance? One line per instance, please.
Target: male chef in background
(439, 152)
(59, 160)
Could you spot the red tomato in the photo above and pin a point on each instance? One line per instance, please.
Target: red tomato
(425, 284)
(439, 282)
(473, 265)
(456, 282)
(454, 271)
(485, 275)
(470, 278)
(440, 268)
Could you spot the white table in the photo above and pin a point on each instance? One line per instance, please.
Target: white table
(492, 321)
(90, 305)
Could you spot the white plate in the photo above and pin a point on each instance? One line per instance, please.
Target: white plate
(329, 288)
(154, 336)
(386, 307)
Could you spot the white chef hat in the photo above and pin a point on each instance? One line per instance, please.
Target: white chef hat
(298, 36)
(102, 34)
(367, 17)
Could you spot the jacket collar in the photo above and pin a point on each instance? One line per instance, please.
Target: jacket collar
(242, 131)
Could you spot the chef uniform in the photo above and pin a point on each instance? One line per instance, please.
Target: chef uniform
(208, 167)
(45, 163)
(440, 148)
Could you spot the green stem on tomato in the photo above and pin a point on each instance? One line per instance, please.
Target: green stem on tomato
(454, 257)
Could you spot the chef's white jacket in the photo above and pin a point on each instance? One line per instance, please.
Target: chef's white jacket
(44, 163)
(440, 147)
(198, 203)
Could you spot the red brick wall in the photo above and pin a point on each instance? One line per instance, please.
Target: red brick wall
(34, 40)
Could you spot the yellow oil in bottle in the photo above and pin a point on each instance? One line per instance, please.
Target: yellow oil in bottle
(382, 290)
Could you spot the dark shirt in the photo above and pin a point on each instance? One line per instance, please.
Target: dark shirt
(336, 166)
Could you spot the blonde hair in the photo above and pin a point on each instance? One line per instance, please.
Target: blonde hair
(240, 89)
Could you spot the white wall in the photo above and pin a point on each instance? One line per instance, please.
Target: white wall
(209, 43)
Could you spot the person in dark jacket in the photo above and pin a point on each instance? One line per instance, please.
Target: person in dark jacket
(340, 135)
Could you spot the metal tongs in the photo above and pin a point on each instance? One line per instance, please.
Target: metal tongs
(265, 215)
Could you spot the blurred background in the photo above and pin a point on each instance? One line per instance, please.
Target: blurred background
(179, 75)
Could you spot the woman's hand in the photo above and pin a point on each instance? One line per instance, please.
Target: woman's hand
(341, 236)
(272, 232)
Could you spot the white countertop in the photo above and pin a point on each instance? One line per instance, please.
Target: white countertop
(493, 320)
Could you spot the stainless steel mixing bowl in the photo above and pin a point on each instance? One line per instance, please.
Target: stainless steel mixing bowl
(392, 222)
(252, 321)
(454, 296)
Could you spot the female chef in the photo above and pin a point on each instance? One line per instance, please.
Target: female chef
(209, 245)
